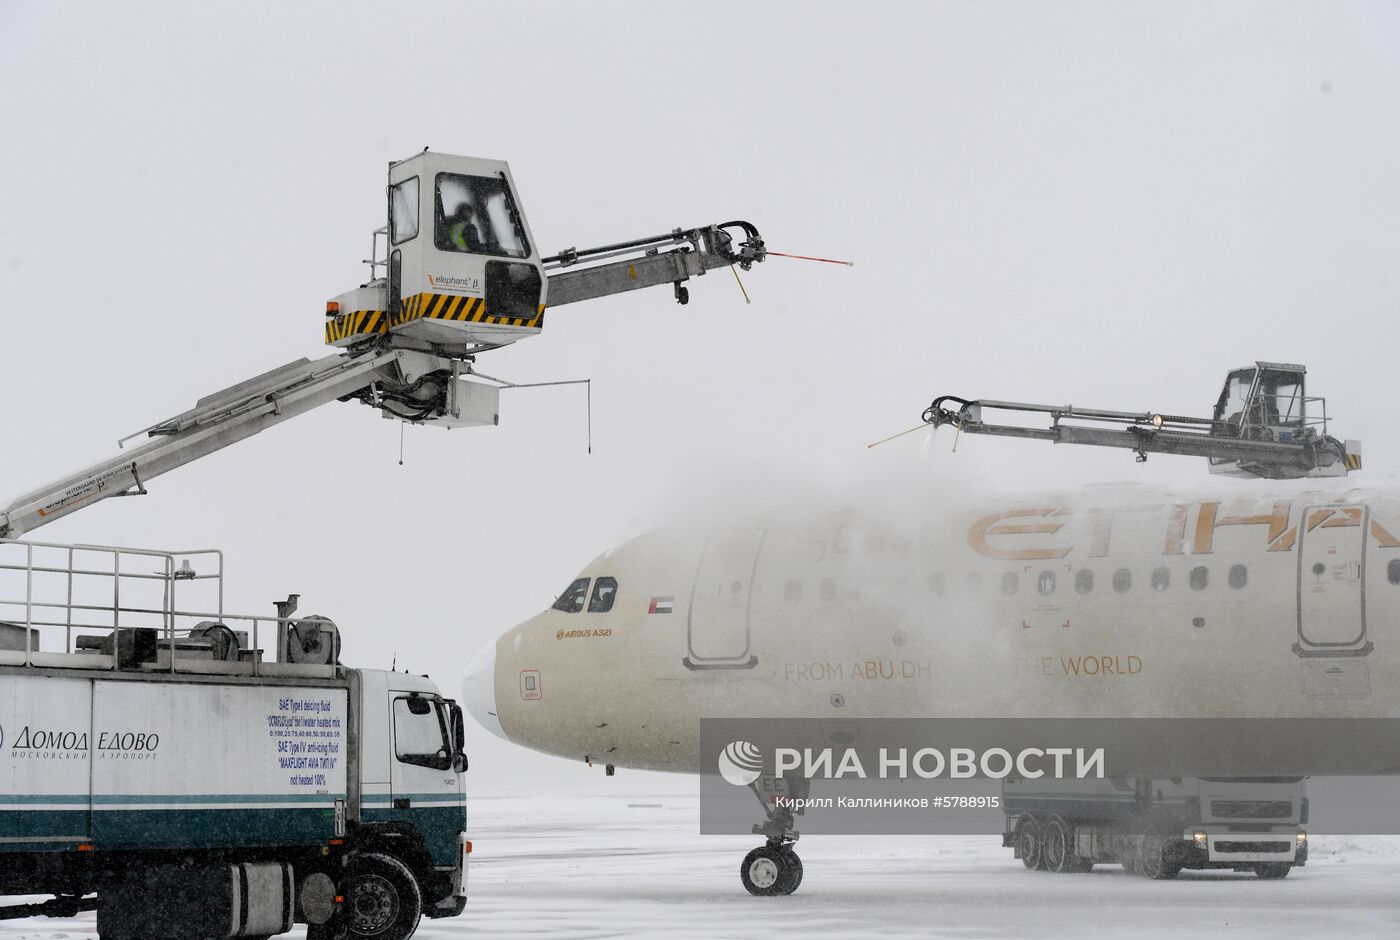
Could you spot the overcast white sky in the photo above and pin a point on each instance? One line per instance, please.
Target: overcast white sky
(1101, 203)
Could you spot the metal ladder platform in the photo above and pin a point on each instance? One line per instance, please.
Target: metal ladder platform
(111, 609)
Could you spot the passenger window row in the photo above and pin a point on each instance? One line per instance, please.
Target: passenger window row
(1047, 582)
(604, 593)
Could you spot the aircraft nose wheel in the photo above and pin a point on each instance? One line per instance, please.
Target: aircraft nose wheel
(770, 870)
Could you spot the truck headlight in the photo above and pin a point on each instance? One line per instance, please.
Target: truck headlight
(1302, 839)
(1199, 838)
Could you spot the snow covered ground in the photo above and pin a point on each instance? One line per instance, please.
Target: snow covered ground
(634, 866)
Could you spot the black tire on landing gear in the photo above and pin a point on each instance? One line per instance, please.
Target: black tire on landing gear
(382, 900)
(793, 871)
(1057, 848)
(1273, 871)
(767, 871)
(1029, 843)
(1158, 857)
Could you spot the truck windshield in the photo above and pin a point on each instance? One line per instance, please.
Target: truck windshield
(476, 215)
(420, 734)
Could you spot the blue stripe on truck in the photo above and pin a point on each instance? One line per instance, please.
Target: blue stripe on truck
(224, 821)
(43, 824)
(321, 798)
(438, 825)
(80, 799)
(211, 828)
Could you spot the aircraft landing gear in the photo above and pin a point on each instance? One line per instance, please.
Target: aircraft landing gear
(773, 868)
(770, 871)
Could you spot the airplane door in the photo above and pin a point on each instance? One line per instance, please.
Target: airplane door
(718, 627)
(1331, 582)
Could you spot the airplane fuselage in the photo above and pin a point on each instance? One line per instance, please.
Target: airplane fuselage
(1121, 602)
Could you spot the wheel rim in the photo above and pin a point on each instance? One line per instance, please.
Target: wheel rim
(373, 905)
(1055, 848)
(763, 872)
(1030, 845)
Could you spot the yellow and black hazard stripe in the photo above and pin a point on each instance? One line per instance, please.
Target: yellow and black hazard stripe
(360, 324)
(459, 310)
(1353, 461)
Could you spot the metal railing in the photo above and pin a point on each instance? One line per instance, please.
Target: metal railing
(47, 587)
(374, 260)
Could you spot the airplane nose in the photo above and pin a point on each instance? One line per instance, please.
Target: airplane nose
(479, 691)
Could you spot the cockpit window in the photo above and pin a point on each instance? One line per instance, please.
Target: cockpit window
(476, 215)
(604, 593)
(571, 601)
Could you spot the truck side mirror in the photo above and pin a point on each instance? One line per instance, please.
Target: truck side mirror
(459, 737)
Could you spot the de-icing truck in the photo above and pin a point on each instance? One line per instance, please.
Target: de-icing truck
(206, 775)
(1158, 826)
(156, 758)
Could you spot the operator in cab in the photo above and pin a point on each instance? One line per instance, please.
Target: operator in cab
(462, 232)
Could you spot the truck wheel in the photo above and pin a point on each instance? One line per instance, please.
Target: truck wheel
(1273, 871)
(1157, 857)
(1029, 843)
(382, 899)
(1057, 853)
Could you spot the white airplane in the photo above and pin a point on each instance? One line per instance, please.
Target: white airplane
(1282, 600)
